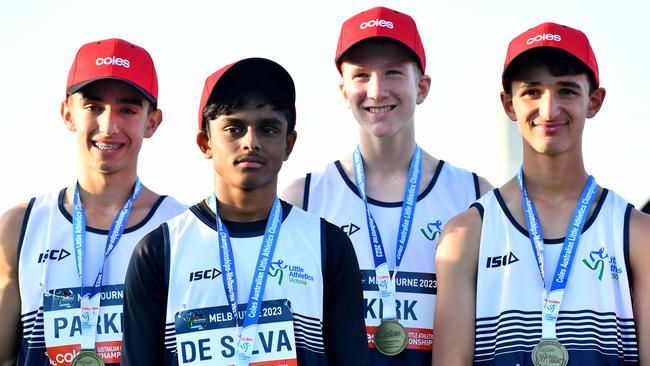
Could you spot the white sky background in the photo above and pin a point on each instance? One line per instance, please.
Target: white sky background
(461, 121)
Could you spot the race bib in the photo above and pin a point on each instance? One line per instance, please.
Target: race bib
(415, 301)
(208, 336)
(62, 324)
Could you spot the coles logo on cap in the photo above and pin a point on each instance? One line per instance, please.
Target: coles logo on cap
(113, 61)
(544, 37)
(570, 40)
(376, 23)
(383, 23)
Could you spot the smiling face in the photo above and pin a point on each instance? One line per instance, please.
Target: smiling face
(110, 119)
(248, 146)
(382, 85)
(551, 110)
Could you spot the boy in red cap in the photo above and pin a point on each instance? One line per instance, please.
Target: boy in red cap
(390, 197)
(550, 268)
(242, 277)
(64, 255)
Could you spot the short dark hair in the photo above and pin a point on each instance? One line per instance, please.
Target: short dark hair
(236, 95)
(558, 62)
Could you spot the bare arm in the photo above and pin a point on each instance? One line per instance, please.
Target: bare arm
(639, 256)
(10, 227)
(294, 192)
(456, 268)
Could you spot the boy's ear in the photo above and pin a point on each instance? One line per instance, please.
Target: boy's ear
(424, 84)
(290, 143)
(203, 141)
(344, 93)
(596, 99)
(154, 119)
(66, 115)
(506, 102)
(342, 89)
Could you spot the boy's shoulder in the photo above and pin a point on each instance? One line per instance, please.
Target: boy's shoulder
(294, 193)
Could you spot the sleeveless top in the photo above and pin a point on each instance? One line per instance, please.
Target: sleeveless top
(200, 326)
(332, 195)
(46, 265)
(595, 322)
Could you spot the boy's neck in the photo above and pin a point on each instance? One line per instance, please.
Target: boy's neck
(105, 191)
(241, 205)
(387, 156)
(554, 177)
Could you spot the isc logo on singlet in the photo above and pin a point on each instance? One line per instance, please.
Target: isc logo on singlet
(113, 61)
(544, 37)
(376, 23)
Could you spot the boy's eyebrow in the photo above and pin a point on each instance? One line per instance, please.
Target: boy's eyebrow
(269, 121)
(131, 100)
(391, 64)
(570, 84)
(262, 120)
(233, 120)
(529, 84)
(88, 96)
(85, 96)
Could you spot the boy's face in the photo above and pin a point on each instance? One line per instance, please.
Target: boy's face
(248, 146)
(551, 110)
(110, 119)
(382, 85)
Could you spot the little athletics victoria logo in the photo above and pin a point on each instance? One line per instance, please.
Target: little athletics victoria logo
(289, 272)
(433, 230)
(599, 259)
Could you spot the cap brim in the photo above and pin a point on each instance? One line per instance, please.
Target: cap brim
(395, 41)
(77, 87)
(517, 58)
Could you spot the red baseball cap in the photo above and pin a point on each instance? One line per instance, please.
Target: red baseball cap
(381, 22)
(554, 35)
(114, 59)
(255, 69)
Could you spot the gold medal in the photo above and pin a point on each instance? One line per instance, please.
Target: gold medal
(87, 358)
(550, 352)
(390, 337)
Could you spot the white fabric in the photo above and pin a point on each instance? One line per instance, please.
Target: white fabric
(47, 263)
(295, 283)
(510, 288)
(333, 196)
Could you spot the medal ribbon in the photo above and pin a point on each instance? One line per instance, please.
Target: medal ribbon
(90, 300)
(246, 340)
(385, 283)
(552, 301)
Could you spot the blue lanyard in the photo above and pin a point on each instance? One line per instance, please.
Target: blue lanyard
(254, 305)
(90, 302)
(387, 285)
(553, 299)
(114, 234)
